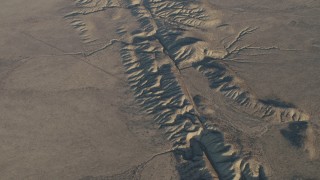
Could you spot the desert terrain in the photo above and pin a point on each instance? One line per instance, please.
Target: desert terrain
(159, 89)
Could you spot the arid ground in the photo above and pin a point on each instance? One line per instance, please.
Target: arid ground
(159, 89)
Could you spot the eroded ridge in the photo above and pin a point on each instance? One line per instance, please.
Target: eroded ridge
(85, 7)
(176, 13)
(155, 54)
(153, 74)
(156, 88)
(88, 7)
(185, 50)
(223, 80)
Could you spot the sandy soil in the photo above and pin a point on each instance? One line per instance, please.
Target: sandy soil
(159, 89)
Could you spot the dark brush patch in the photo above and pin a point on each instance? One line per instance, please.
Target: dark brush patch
(277, 103)
(295, 133)
(193, 170)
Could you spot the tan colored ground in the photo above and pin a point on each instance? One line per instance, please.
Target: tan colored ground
(86, 84)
